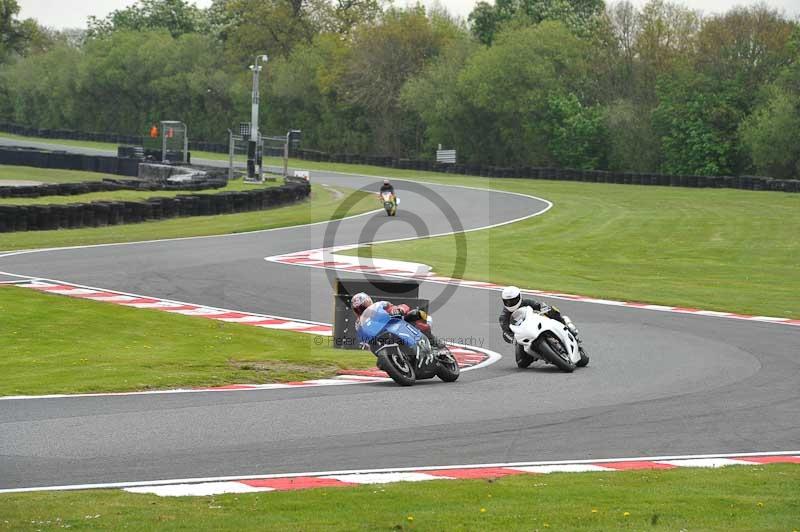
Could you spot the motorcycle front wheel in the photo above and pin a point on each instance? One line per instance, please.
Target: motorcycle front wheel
(447, 369)
(551, 349)
(393, 362)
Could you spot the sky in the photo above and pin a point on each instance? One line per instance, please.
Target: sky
(62, 14)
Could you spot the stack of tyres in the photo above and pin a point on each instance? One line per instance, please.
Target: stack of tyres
(21, 218)
(101, 212)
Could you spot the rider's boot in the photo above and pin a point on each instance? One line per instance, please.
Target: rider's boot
(574, 330)
(571, 326)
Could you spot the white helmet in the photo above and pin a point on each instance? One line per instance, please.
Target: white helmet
(511, 298)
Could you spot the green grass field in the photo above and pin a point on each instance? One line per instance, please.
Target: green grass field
(47, 175)
(743, 498)
(321, 207)
(54, 344)
(724, 249)
(102, 145)
(123, 195)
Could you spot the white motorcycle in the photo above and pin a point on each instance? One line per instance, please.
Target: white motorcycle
(538, 337)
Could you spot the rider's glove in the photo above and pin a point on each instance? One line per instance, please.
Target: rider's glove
(544, 308)
(508, 337)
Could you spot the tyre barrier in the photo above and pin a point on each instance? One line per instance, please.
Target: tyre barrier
(104, 213)
(107, 185)
(69, 161)
(557, 174)
(560, 174)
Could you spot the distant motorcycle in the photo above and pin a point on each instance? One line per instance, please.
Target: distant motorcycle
(402, 350)
(389, 202)
(538, 337)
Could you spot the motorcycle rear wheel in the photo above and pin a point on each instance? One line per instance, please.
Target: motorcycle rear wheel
(550, 347)
(397, 366)
(447, 369)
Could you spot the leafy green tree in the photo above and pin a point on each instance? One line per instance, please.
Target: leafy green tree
(271, 26)
(746, 44)
(771, 135)
(178, 17)
(382, 58)
(435, 98)
(697, 120)
(576, 134)
(303, 93)
(665, 41)
(17, 37)
(43, 88)
(487, 19)
(507, 89)
(632, 143)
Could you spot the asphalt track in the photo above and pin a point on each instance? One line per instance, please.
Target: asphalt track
(658, 384)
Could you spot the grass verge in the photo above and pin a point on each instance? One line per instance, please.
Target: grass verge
(321, 207)
(732, 499)
(111, 146)
(729, 250)
(48, 175)
(714, 249)
(129, 195)
(54, 344)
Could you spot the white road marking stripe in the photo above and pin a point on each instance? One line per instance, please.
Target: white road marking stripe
(206, 488)
(112, 298)
(561, 468)
(332, 474)
(288, 325)
(704, 462)
(384, 478)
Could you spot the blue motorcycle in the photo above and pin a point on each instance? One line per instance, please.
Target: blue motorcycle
(402, 350)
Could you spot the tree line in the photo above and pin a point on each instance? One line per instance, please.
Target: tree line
(565, 83)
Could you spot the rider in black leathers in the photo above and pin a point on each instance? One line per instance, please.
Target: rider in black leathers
(512, 300)
(386, 186)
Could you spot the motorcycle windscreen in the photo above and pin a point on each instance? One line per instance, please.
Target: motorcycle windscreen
(519, 316)
(372, 322)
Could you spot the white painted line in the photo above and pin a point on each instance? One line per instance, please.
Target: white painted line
(208, 488)
(384, 478)
(160, 300)
(288, 326)
(108, 298)
(243, 319)
(704, 462)
(561, 468)
(72, 291)
(509, 465)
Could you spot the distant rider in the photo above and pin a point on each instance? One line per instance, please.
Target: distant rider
(387, 187)
(419, 318)
(512, 300)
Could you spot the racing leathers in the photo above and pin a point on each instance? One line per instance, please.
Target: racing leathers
(417, 317)
(550, 312)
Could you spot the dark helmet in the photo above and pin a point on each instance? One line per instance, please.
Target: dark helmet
(511, 298)
(360, 302)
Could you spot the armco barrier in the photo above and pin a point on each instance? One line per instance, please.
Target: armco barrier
(102, 213)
